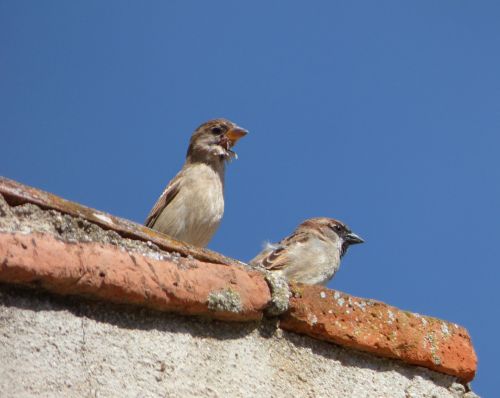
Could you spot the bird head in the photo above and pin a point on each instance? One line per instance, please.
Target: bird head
(332, 230)
(214, 140)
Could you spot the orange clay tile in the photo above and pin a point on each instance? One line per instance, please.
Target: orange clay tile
(201, 282)
(105, 272)
(381, 329)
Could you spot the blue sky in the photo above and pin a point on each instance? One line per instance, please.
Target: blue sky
(385, 115)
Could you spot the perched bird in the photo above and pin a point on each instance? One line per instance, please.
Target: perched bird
(311, 254)
(191, 206)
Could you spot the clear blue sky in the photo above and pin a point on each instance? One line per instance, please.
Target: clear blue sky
(385, 115)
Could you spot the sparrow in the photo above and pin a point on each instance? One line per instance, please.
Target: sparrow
(311, 254)
(191, 206)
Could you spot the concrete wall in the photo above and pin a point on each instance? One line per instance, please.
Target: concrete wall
(67, 347)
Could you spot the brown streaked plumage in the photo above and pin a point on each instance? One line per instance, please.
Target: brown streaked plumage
(191, 206)
(311, 254)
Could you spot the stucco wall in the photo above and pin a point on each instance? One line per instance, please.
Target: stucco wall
(67, 347)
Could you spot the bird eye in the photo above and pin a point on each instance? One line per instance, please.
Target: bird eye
(337, 228)
(216, 130)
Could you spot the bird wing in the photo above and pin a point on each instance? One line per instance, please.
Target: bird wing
(166, 197)
(277, 258)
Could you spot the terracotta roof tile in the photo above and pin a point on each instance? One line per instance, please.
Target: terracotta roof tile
(378, 328)
(176, 277)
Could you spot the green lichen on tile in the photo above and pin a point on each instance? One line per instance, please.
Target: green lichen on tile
(280, 290)
(357, 332)
(297, 291)
(432, 320)
(393, 335)
(226, 300)
(433, 348)
(446, 329)
(280, 293)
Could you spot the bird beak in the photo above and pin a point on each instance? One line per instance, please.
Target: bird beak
(235, 134)
(353, 239)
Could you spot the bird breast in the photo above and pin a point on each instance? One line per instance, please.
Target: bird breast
(196, 212)
(315, 262)
(205, 186)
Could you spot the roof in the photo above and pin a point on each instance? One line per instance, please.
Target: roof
(65, 248)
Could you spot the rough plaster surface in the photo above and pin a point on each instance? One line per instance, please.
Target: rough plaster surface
(61, 347)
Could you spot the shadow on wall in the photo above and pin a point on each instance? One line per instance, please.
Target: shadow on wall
(132, 318)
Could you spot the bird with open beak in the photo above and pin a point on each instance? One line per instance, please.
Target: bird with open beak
(311, 254)
(191, 206)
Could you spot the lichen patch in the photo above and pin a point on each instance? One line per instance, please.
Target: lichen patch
(226, 300)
